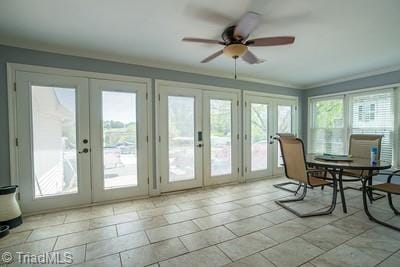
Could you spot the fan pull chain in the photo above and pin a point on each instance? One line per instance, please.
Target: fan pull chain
(235, 67)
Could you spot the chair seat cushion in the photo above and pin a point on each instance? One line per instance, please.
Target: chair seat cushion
(386, 187)
(315, 181)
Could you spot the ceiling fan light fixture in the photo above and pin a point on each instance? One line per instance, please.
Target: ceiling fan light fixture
(235, 50)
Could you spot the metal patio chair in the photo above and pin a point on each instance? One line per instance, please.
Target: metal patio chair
(296, 169)
(389, 188)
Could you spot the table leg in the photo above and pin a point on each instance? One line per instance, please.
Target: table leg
(369, 184)
(342, 191)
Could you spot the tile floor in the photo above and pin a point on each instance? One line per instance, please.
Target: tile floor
(235, 225)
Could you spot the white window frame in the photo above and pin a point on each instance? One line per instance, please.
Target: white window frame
(347, 114)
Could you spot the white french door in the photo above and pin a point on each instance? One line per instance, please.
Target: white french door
(53, 141)
(198, 137)
(180, 139)
(80, 140)
(221, 137)
(258, 129)
(264, 117)
(119, 139)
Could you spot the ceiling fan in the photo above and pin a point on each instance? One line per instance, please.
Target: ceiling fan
(235, 40)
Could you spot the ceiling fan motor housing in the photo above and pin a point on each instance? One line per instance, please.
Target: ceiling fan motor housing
(228, 38)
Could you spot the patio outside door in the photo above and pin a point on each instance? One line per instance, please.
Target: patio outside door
(198, 137)
(79, 144)
(53, 141)
(264, 117)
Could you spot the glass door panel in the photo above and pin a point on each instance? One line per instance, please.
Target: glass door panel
(259, 136)
(54, 160)
(221, 137)
(257, 116)
(119, 139)
(180, 138)
(220, 117)
(54, 140)
(284, 126)
(119, 134)
(285, 123)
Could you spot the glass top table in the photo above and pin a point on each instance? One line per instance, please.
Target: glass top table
(355, 164)
(339, 166)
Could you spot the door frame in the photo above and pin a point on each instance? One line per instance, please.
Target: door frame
(274, 100)
(165, 84)
(12, 68)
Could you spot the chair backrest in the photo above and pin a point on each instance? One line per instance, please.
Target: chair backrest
(360, 147)
(293, 158)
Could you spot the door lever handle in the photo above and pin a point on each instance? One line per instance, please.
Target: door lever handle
(85, 150)
(199, 145)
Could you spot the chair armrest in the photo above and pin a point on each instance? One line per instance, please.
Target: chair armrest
(395, 173)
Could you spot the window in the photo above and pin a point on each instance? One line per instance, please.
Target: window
(366, 112)
(327, 126)
(372, 113)
(334, 119)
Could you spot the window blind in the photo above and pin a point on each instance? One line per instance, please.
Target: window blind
(327, 132)
(373, 113)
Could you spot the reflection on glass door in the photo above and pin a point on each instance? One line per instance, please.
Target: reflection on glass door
(119, 139)
(119, 134)
(54, 162)
(181, 147)
(284, 126)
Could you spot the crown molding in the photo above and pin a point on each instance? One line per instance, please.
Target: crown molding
(355, 77)
(141, 62)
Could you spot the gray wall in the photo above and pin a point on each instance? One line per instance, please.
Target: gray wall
(362, 83)
(25, 56)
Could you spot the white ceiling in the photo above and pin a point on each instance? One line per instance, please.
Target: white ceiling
(334, 39)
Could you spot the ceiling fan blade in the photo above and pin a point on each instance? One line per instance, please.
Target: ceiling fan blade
(250, 58)
(246, 25)
(201, 40)
(208, 15)
(271, 41)
(211, 57)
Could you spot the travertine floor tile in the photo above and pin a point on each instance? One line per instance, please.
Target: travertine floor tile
(246, 245)
(153, 253)
(206, 238)
(292, 253)
(115, 245)
(170, 231)
(210, 256)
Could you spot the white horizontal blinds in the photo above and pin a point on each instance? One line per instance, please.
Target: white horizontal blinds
(327, 132)
(373, 113)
